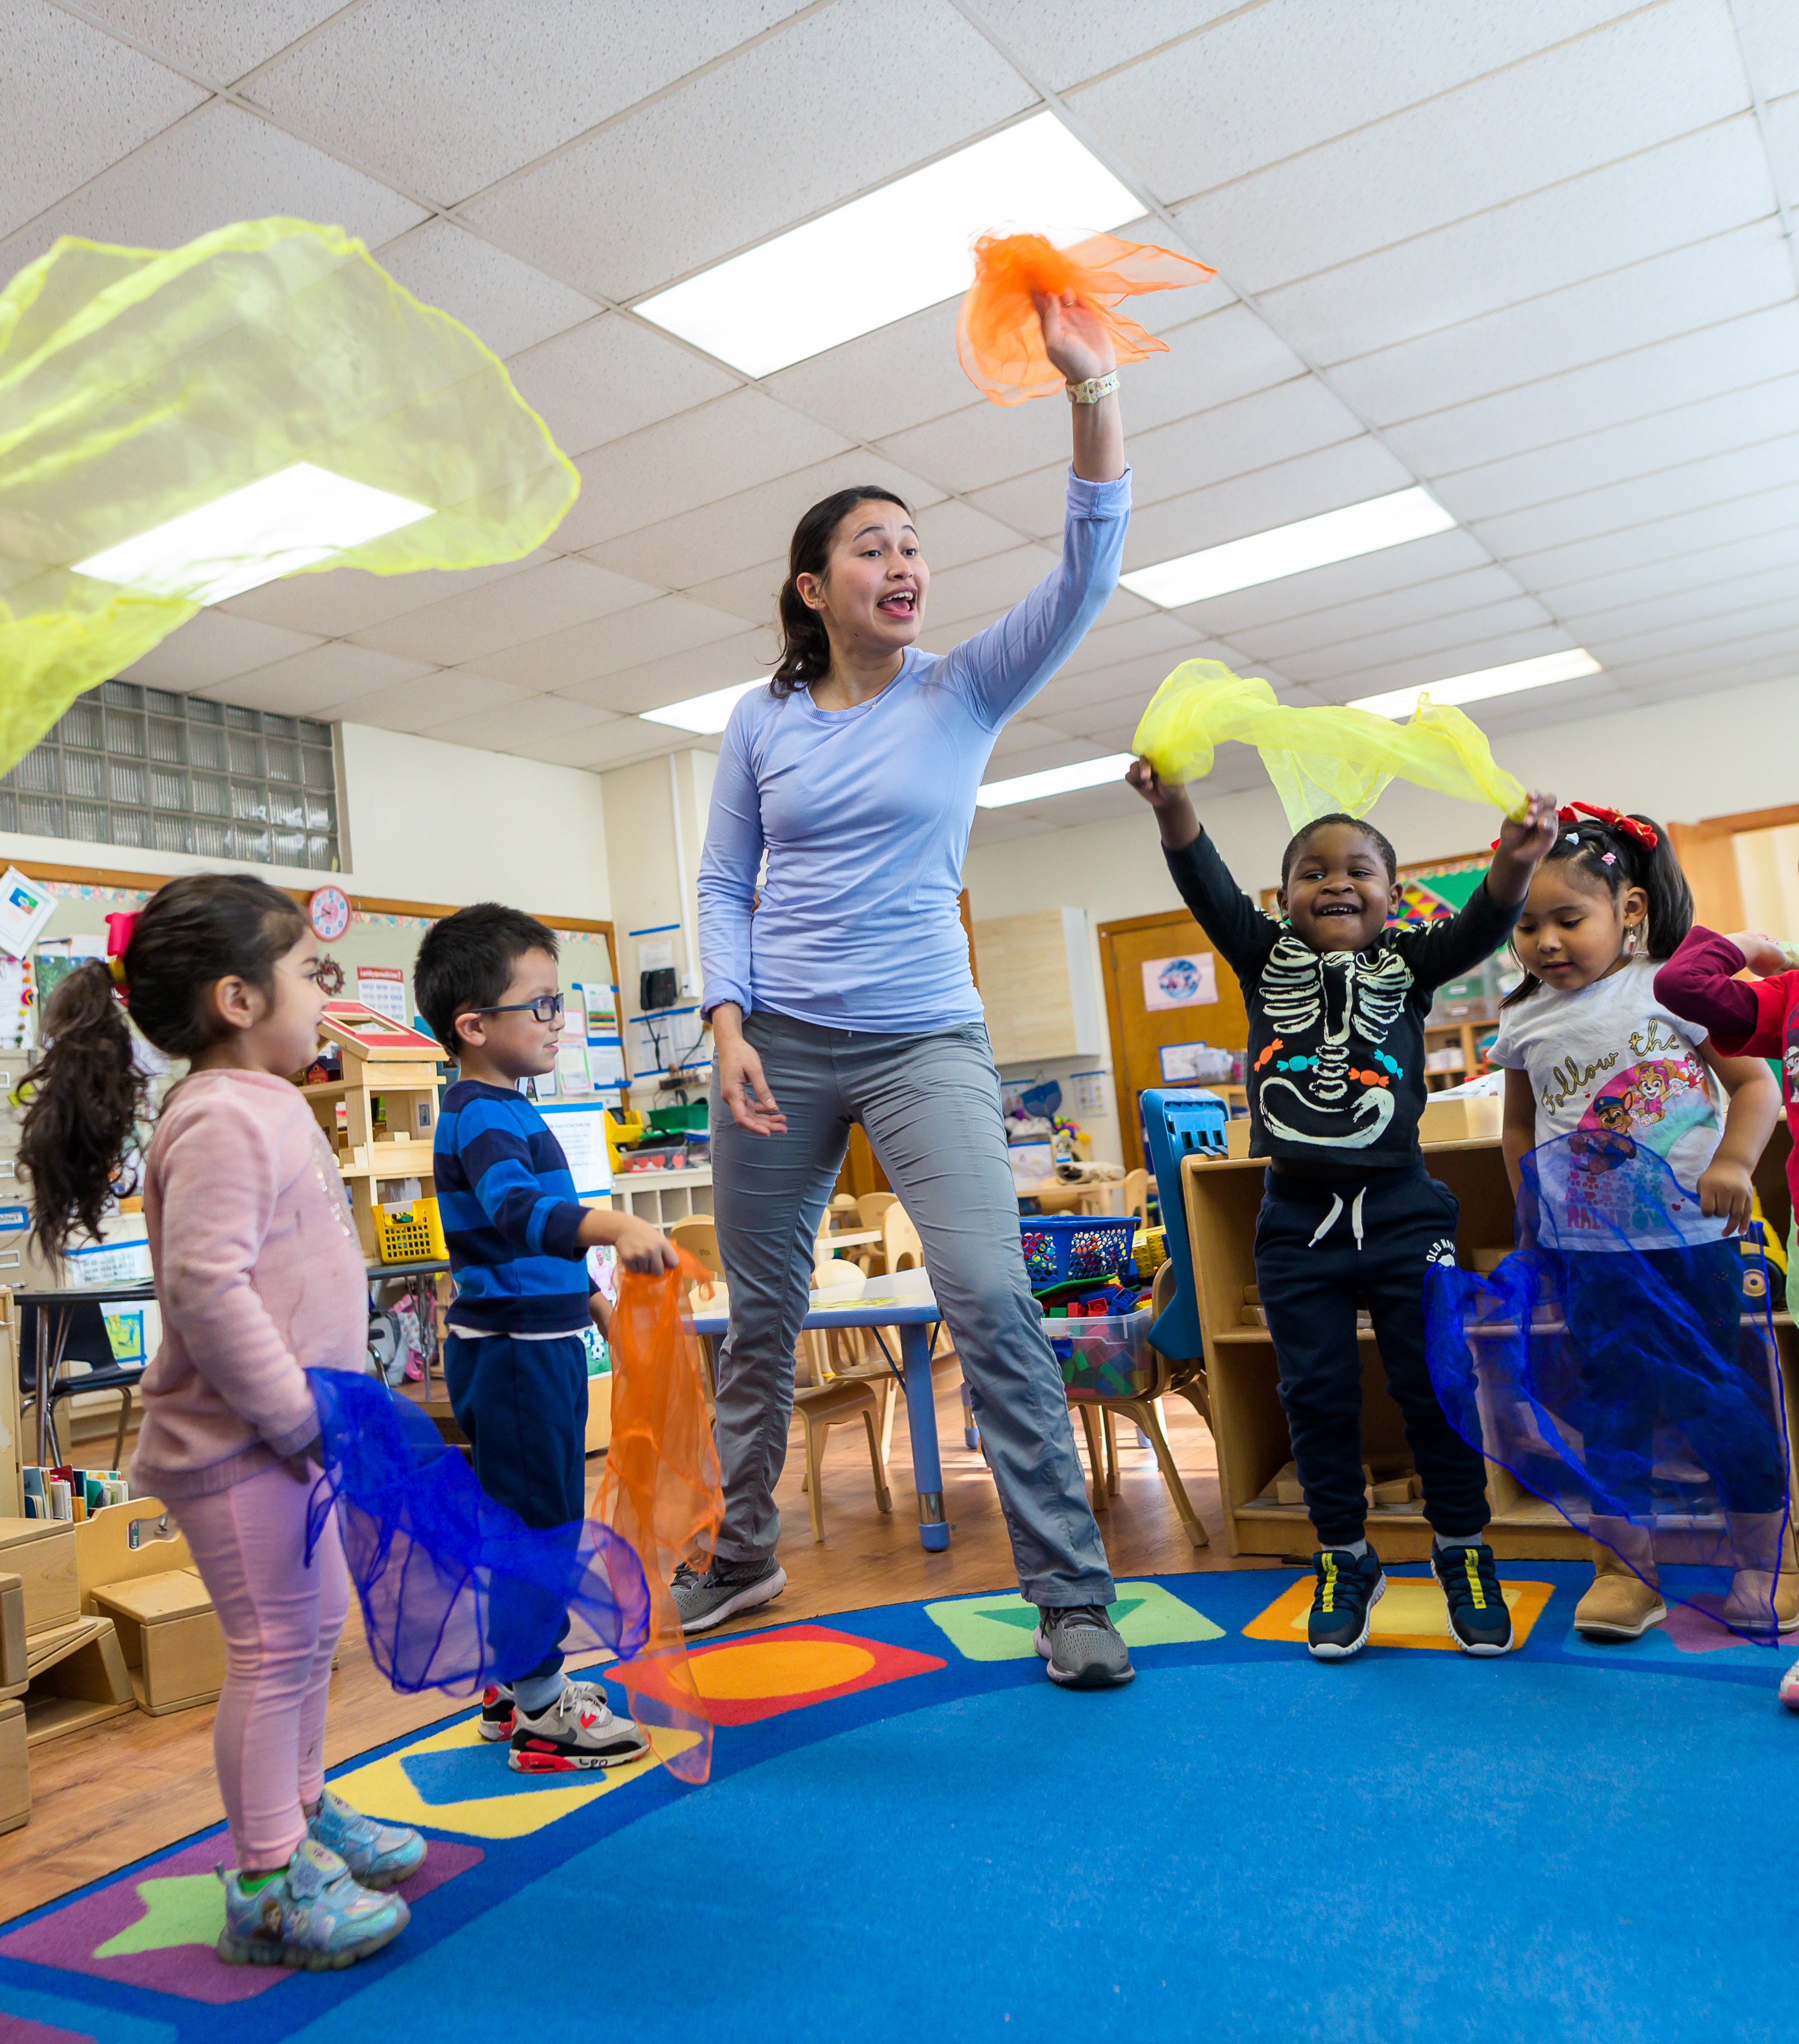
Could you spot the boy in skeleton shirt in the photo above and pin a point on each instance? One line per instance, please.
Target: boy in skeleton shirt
(1336, 1003)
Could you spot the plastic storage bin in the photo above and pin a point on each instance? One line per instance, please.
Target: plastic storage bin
(1104, 1358)
(1067, 1249)
(409, 1233)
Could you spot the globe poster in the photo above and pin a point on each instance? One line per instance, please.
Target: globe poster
(1188, 981)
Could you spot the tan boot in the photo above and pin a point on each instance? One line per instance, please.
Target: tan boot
(1753, 1590)
(1621, 1604)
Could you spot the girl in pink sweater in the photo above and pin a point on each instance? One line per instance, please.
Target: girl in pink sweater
(260, 1277)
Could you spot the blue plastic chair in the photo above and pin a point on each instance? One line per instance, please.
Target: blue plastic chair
(1176, 1126)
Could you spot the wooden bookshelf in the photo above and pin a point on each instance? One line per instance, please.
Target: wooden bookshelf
(1223, 1197)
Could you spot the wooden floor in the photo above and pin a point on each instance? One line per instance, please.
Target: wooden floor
(104, 1798)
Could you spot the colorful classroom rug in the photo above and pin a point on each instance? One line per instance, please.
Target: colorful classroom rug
(909, 1832)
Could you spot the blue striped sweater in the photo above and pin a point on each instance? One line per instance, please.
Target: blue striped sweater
(510, 1216)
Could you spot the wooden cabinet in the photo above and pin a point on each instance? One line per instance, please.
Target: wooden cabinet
(1037, 986)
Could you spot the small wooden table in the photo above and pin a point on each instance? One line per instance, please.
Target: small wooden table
(915, 1322)
(849, 1238)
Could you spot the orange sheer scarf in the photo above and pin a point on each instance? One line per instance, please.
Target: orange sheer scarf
(660, 1491)
(999, 337)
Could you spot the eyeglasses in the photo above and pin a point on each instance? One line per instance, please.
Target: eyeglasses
(546, 1007)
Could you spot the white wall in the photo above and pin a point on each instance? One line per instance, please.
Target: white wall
(424, 821)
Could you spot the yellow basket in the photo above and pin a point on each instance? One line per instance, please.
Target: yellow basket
(410, 1232)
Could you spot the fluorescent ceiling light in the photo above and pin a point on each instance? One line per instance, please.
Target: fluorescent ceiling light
(1486, 682)
(893, 252)
(706, 713)
(288, 520)
(1053, 780)
(1312, 543)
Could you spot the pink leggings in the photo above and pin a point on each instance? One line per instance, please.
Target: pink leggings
(281, 1620)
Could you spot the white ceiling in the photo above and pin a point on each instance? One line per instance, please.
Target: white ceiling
(1534, 256)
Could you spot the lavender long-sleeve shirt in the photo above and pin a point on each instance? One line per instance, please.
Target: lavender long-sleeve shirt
(864, 814)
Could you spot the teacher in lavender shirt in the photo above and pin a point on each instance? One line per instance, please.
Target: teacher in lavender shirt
(839, 989)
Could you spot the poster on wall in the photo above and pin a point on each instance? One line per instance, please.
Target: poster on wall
(383, 987)
(1188, 981)
(580, 1127)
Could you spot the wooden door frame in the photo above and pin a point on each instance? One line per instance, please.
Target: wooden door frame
(1130, 1123)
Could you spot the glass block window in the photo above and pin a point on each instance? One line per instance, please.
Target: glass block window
(145, 767)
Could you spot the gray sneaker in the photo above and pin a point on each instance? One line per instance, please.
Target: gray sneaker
(726, 1589)
(1082, 1647)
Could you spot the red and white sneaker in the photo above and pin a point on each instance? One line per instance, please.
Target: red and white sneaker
(496, 1712)
(573, 1732)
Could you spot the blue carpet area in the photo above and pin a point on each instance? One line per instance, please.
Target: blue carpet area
(1243, 1844)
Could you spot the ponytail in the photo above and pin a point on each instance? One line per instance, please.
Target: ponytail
(85, 1097)
(805, 645)
(1615, 853)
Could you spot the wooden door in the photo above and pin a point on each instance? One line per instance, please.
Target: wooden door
(1139, 1031)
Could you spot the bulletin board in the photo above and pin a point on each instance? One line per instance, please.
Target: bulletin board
(1431, 892)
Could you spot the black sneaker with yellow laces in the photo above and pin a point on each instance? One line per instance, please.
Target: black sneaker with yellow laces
(1479, 1620)
(1347, 1588)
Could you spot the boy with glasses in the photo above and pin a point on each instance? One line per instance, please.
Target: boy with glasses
(515, 1361)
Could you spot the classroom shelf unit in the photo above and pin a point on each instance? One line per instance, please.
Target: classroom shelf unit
(389, 1095)
(1223, 1195)
(661, 1196)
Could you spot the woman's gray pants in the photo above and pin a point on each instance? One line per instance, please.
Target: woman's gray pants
(930, 1106)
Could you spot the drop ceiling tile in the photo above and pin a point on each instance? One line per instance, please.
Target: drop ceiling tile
(626, 638)
(1685, 191)
(106, 100)
(1253, 432)
(1322, 591)
(1498, 651)
(1687, 290)
(696, 672)
(427, 702)
(1274, 81)
(1034, 504)
(1729, 627)
(962, 600)
(1662, 71)
(1562, 702)
(983, 443)
(1462, 633)
(1642, 448)
(314, 683)
(1210, 361)
(1109, 695)
(617, 741)
(739, 531)
(1158, 636)
(1024, 735)
(218, 44)
(1004, 827)
(220, 165)
(1348, 624)
(514, 725)
(953, 534)
(1783, 142)
(1672, 537)
(541, 600)
(341, 601)
(506, 302)
(1738, 473)
(897, 377)
(1348, 473)
(606, 214)
(1707, 575)
(1639, 385)
(211, 647)
(611, 377)
(1056, 751)
(683, 463)
(1770, 42)
(492, 86)
(750, 593)
(1064, 41)
(1771, 654)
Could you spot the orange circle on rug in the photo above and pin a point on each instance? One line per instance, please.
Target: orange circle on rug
(778, 1668)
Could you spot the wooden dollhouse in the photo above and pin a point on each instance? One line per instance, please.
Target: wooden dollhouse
(380, 1114)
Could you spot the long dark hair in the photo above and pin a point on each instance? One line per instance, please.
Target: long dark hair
(805, 646)
(85, 1096)
(1608, 856)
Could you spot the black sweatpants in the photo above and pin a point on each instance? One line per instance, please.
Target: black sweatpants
(523, 1405)
(1322, 1248)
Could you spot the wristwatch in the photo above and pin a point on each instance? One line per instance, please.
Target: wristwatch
(1093, 389)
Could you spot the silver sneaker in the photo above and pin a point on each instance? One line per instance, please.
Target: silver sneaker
(1082, 1647)
(726, 1589)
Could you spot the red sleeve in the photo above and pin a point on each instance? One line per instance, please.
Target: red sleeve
(1744, 1018)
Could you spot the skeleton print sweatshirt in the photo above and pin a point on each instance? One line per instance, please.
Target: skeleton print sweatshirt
(1336, 1039)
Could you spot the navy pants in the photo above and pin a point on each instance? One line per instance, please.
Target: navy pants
(523, 1405)
(1323, 1248)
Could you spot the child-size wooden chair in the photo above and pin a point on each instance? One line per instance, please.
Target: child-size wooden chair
(825, 1397)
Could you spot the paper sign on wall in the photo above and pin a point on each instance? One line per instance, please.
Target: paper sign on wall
(1189, 980)
(25, 909)
(383, 987)
(580, 1127)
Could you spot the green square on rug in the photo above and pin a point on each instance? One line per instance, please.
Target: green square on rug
(1001, 1628)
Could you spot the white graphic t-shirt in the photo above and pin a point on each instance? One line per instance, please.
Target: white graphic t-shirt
(1609, 1056)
